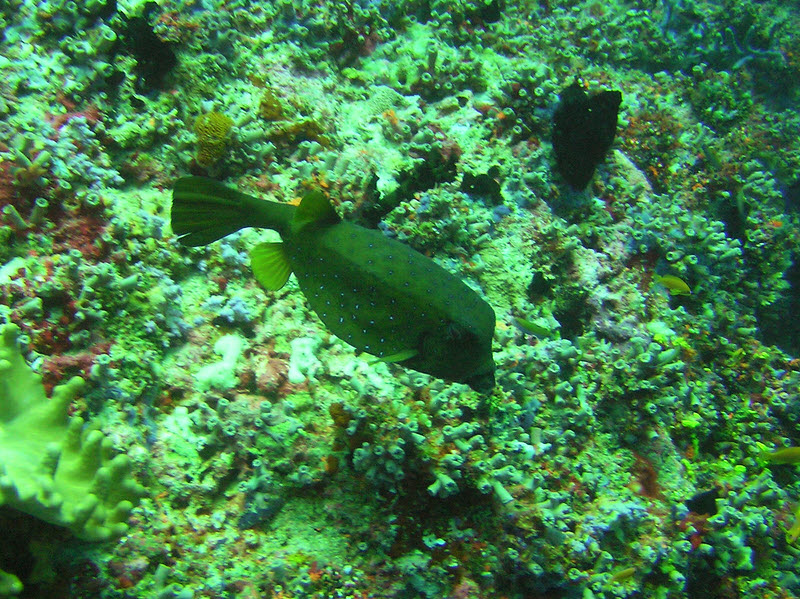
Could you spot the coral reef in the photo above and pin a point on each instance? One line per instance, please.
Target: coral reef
(622, 452)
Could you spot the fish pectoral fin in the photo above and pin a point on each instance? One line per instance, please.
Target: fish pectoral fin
(270, 265)
(398, 357)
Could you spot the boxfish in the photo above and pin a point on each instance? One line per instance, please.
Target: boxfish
(375, 293)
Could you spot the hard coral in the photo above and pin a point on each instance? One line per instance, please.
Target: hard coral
(212, 131)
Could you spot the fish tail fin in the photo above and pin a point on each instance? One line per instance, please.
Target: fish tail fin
(204, 210)
(766, 455)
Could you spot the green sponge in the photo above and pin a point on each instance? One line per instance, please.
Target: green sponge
(54, 467)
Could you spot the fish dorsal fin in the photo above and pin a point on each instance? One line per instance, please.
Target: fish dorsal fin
(314, 208)
(270, 265)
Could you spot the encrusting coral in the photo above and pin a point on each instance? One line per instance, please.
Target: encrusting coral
(55, 467)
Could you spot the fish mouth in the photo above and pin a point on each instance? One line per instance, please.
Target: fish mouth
(482, 383)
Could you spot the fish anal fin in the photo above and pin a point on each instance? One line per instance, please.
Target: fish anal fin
(270, 265)
(398, 357)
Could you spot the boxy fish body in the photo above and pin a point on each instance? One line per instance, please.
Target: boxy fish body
(375, 293)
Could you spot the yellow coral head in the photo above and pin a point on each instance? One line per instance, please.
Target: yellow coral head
(212, 131)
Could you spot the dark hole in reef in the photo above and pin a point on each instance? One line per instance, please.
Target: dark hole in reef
(538, 286)
(435, 169)
(490, 12)
(155, 58)
(568, 300)
(485, 186)
(734, 218)
(19, 531)
(704, 502)
(572, 316)
(778, 321)
(702, 583)
(14, 554)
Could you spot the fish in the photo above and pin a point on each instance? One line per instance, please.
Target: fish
(621, 575)
(532, 328)
(376, 294)
(785, 455)
(674, 285)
